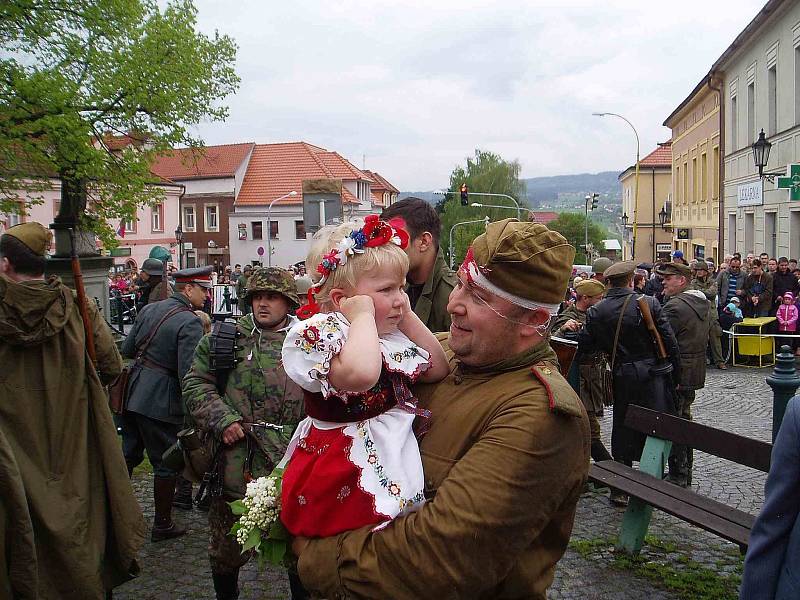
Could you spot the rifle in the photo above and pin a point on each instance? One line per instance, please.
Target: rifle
(647, 316)
(165, 282)
(82, 302)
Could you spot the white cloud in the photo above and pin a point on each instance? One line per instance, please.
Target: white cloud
(417, 86)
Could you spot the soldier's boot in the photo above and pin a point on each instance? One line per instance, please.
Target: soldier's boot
(164, 528)
(226, 586)
(296, 587)
(183, 494)
(680, 468)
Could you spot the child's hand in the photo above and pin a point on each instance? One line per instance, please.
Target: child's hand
(356, 306)
(406, 308)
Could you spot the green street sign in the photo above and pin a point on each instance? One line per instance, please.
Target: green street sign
(791, 182)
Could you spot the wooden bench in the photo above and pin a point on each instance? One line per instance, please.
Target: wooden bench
(647, 490)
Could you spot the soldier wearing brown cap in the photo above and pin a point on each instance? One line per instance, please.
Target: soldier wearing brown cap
(72, 526)
(615, 326)
(688, 313)
(595, 379)
(506, 452)
(704, 282)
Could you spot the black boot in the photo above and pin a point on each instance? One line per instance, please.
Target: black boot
(183, 494)
(226, 586)
(164, 528)
(296, 587)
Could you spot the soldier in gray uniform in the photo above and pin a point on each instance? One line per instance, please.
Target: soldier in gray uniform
(251, 415)
(688, 313)
(154, 412)
(702, 281)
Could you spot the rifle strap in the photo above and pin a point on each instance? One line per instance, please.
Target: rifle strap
(142, 348)
(619, 327)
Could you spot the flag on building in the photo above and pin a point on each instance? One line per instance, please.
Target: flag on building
(121, 228)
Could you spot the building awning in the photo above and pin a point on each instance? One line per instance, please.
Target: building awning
(612, 245)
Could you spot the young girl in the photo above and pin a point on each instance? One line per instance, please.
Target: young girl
(787, 320)
(354, 460)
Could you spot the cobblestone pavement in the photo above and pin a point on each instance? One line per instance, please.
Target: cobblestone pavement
(737, 400)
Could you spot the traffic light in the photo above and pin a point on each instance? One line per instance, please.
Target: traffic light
(464, 195)
(594, 201)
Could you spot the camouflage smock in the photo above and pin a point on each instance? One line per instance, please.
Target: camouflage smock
(257, 390)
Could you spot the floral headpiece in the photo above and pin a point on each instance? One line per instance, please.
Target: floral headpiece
(374, 233)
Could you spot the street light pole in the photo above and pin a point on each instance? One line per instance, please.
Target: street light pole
(269, 225)
(516, 204)
(484, 220)
(636, 180)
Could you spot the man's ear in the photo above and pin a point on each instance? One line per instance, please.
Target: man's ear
(533, 320)
(424, 242)
(5, 265)
(336, 296)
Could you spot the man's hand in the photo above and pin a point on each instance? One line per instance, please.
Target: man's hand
(571, 325)
(298, 545)
(233, 433)
(356, 306)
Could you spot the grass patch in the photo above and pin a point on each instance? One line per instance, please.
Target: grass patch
(659, 564)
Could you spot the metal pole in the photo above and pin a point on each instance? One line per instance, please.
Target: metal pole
(586, 229)
(484, 220)
(784, 382)
(269, 225)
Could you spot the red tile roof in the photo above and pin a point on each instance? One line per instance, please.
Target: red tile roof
(544, 217)
(211, 161)
(660, 157)
(380, 183)
(277, 169)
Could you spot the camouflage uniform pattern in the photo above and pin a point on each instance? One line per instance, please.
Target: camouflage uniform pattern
(272, 279)
(709, 287)
(257, 390)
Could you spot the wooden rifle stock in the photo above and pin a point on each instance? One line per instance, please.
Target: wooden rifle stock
(644, 308)
(565, 351)
(82, 301)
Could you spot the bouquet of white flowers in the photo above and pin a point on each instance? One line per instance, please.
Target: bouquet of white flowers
(259, 528)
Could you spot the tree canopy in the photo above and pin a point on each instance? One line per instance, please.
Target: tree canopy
(488, 173)
(76, 73)
(571, 226)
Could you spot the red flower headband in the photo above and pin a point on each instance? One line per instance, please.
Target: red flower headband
(374, 233)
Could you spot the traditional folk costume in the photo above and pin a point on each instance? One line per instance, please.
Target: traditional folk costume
(354, 461)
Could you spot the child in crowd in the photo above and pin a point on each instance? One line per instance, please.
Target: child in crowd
(787, 321)
(354, 460)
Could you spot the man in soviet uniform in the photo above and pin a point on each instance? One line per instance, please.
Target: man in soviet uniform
(688, 313)
(154, 412)
(70, 525)
(430, 280)
(241, 288)
(506, 451)
(254, 416)
(702, 281)
(615, 326)
(595, 376)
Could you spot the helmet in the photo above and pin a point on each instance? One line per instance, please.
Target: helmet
(699, 265)
(272, 279)
(601, 264)
(153, 266)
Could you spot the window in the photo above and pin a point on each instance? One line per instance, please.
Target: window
(794, 233)
(695, 177)
(56, 207)
(363, 191)
(715, 174)
(299, 230)
(130, 226)
(703, 177)
(749, 228)
(772, 99)
(212, 214)
(770, 233)
(257, 229)
(273, 230)
(188, 218)
(157, 217)
(191, 259)
(751, 115)
(677, 184)
(734, 124)
(13, 219)
(731, 234)
(386, 199)
(797, 85)
(686, 183)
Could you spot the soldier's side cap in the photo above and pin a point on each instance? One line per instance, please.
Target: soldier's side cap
(601, 264)
(625, 267)
(34, 235)
(525, 263)
(273, 279)
(674, 269)
(699, 265)
(153, 266)
(198, 275)
(590, 287)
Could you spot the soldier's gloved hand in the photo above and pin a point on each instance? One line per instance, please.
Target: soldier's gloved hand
(233, 433)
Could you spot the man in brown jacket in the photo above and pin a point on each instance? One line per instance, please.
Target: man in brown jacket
(506, 452)
(687, 311)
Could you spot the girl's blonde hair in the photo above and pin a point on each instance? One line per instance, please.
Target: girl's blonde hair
(205, 320)
(387, 256)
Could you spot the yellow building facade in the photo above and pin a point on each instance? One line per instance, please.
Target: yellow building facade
(695, 126)
(652, 241)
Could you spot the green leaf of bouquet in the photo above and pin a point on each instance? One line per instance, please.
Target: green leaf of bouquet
(253, 540)
(278, 532)
(237, 507)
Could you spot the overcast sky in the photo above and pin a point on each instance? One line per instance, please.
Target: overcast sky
(416, 86)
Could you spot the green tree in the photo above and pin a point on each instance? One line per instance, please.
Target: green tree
(74, 73)
(486, 172)
(571, 226)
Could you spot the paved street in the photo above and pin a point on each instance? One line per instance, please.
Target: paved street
(737, 400)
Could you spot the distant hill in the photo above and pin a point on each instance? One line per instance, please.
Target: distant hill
(547, 191)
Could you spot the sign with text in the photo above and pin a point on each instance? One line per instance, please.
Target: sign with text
(750, 194)
(663, 247)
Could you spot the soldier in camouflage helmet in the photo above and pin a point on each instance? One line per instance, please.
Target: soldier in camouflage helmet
(257, 391)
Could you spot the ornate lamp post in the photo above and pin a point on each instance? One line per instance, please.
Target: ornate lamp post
(761, 148)
(179, 239)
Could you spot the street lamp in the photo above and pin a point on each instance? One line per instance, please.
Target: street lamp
(636, 193)
(269, 225)
(761, 149)
(624, 220)
(662, 218)
(179, 239)
(484, 220)
(516, 204)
